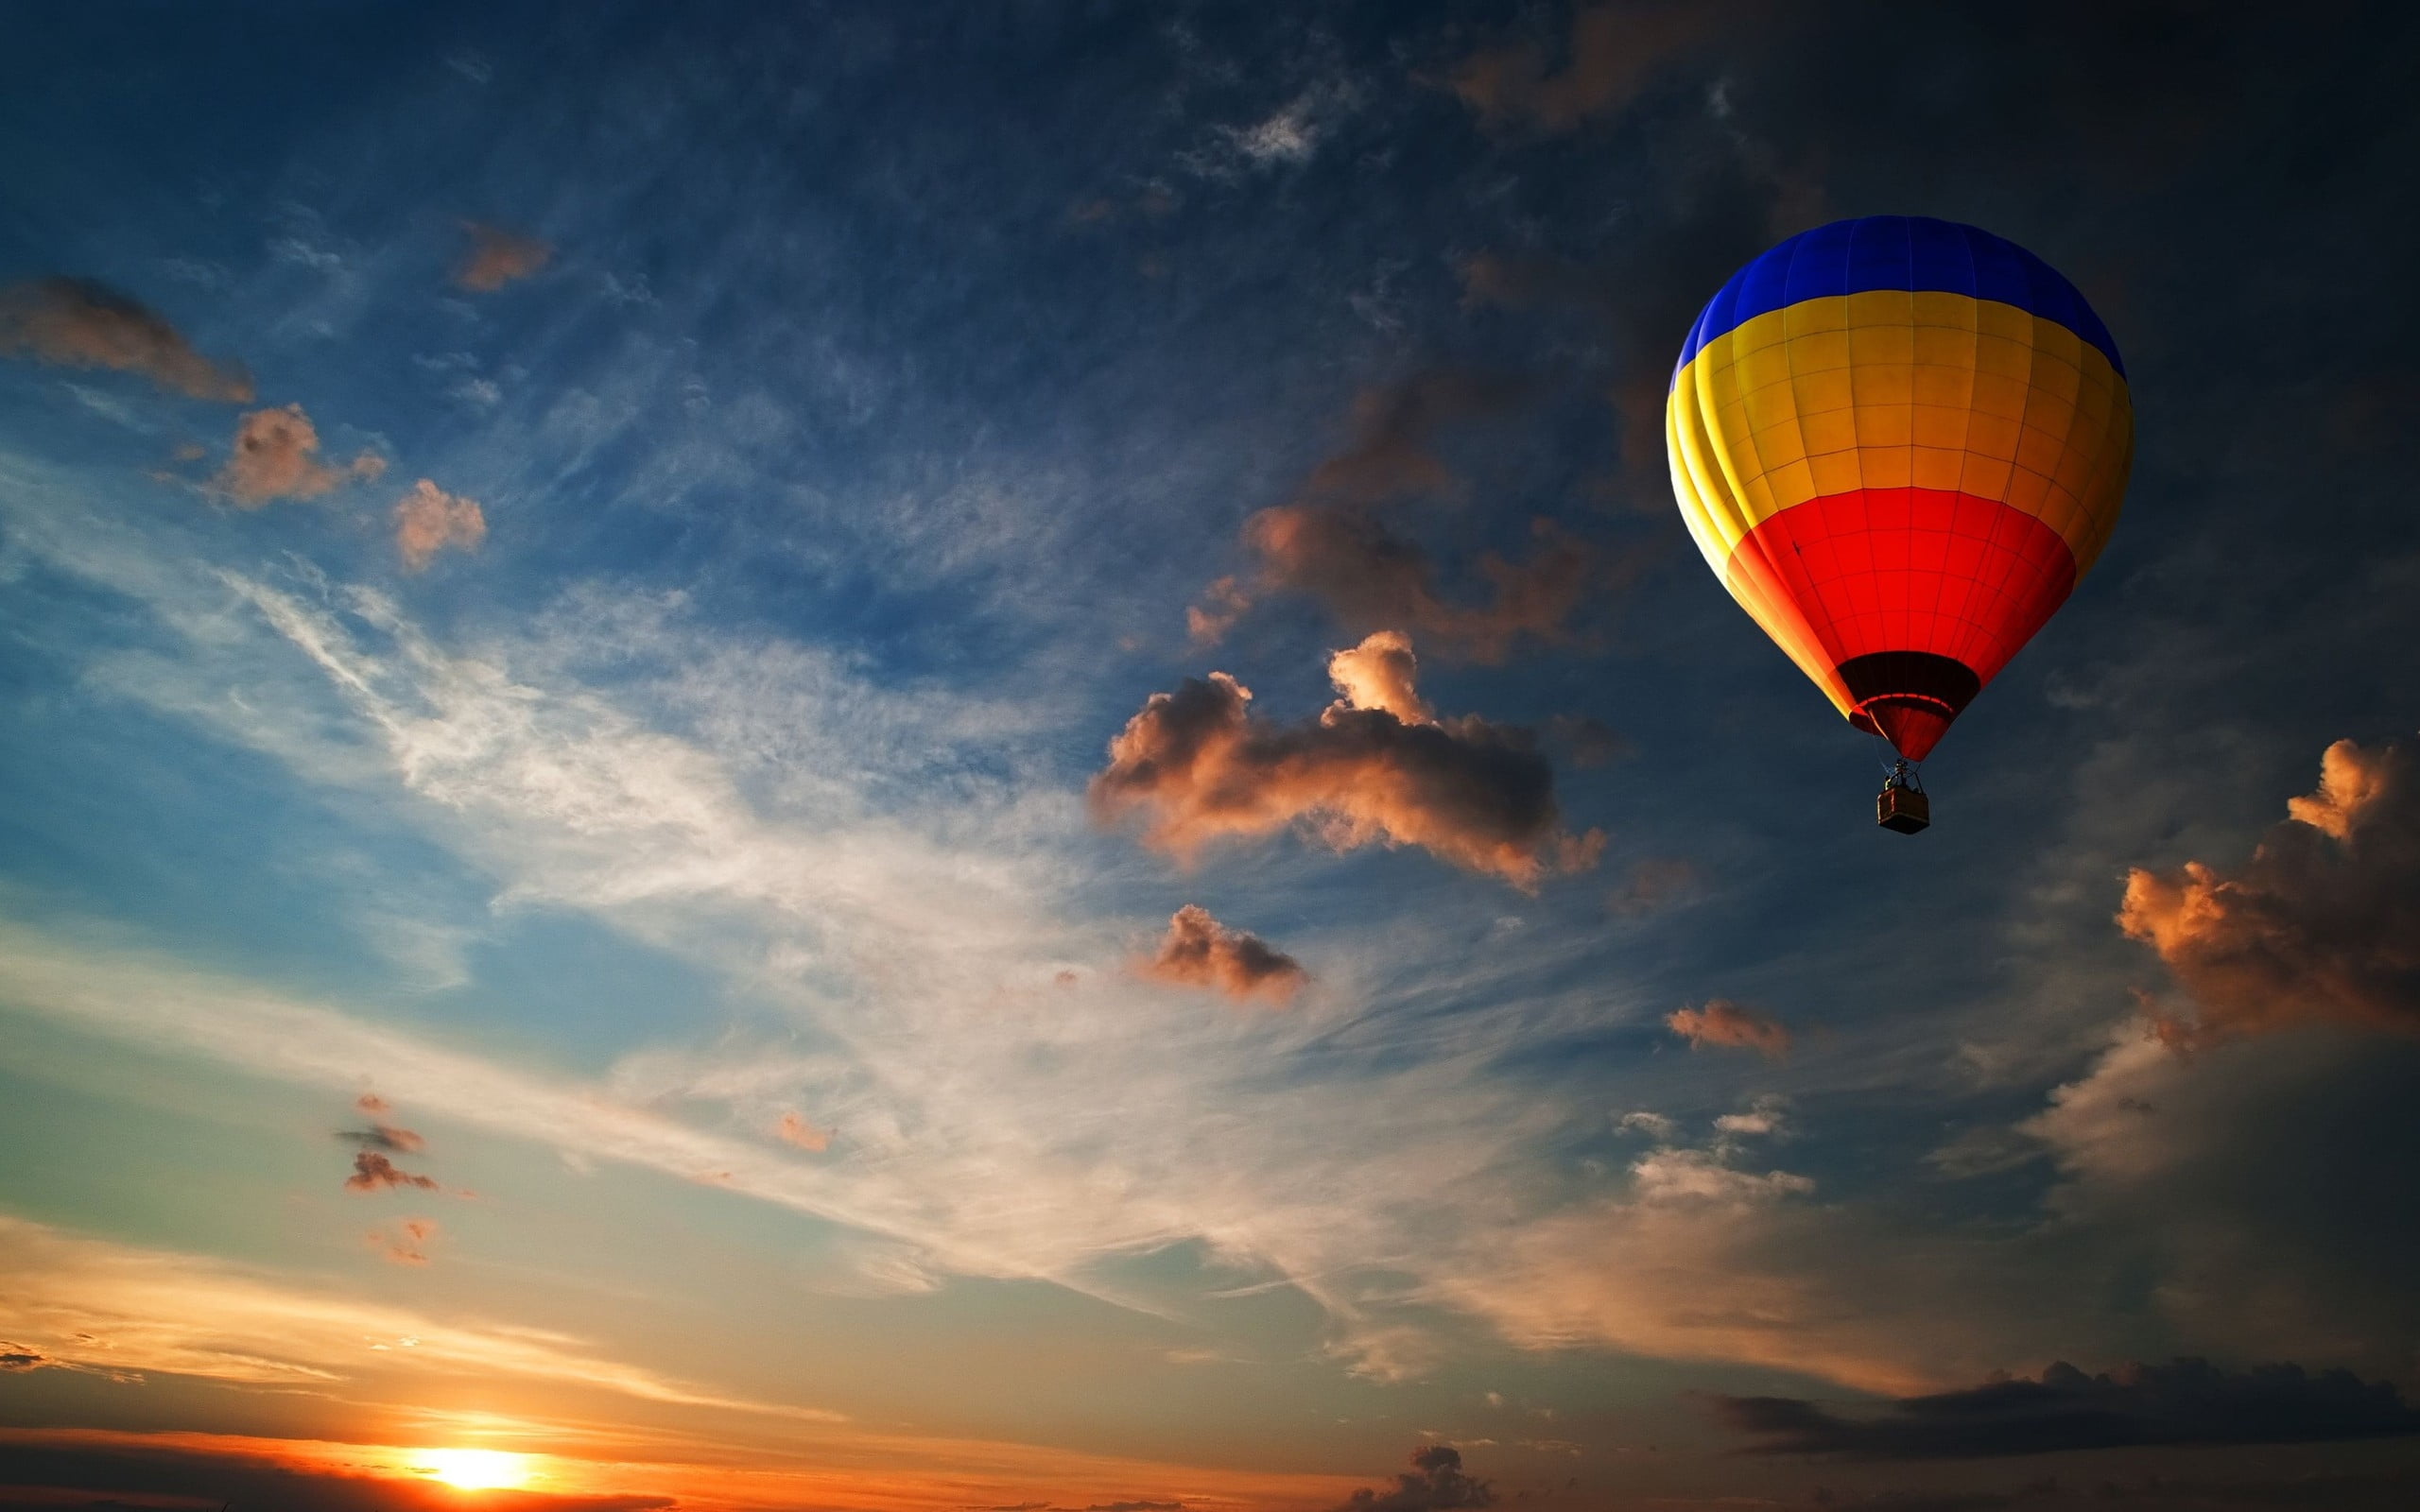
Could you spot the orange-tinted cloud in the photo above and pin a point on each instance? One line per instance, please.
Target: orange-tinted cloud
(1724, 1023)
(374, 1172)
(277, 456)
(429, 519)
(1614, 50)
(496, 257)
(798, 1132)
(2320, 925)
(1330, 541)
(406, 1243)
(1197, 767)
(78, 323)
(22, 1357)
(385, 1137)
(1381, 673)
(1198, 950)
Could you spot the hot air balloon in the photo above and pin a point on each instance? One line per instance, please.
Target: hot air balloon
(1899, 443)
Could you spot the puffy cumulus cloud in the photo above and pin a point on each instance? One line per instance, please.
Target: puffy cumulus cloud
(1381, 673)
(429, 519)
(1198, 950)
(1199, 767)
(1614, 50)
(78, 323)
(2189, 1401)
(374, 1172)
(793, 1129)
(277, 456)
(2320, 925)
(1726, 1024)
(406, 1242)
(496, 257)
(1331, 541)
(1435, 1482)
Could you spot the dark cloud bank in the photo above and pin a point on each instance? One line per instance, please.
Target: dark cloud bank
(2187, 1401)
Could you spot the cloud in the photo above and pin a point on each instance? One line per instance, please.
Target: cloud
(429, 519)
(1198, 951)
(1653, 883)
(1724, 1023)
(1382, 672)
(1435, 1482)
(2189, 1401)
(277, 456)
(1614, 50)
(1330, 541)
(374, 1172)
(796, 1130)
(497, 257)
(1291, 135)
(385, 1137)
(78, 323)
(406, 1243)
(18, 1357)
(91, 1304)
(1200, 768)
(2320, 925)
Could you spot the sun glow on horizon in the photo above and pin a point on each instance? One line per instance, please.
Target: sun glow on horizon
(477, 1469)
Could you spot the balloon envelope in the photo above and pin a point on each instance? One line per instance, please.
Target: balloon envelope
(1899, 443)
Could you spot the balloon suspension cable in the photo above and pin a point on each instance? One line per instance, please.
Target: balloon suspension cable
(1906, 774)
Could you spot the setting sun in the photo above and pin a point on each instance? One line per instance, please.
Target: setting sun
(479, 1469)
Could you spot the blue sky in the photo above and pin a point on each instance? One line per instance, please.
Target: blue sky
(857, 407)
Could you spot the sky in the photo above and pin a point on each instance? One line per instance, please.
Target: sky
(862, 757)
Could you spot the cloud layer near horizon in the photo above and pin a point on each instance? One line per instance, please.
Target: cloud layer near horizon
(2189, 1401)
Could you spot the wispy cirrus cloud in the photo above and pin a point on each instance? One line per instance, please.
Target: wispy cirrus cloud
(90, 1303)
(76, 322)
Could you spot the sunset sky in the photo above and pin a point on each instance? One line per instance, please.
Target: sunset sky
(904, 757)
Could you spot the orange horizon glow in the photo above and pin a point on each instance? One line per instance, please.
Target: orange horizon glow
(479, 1469)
